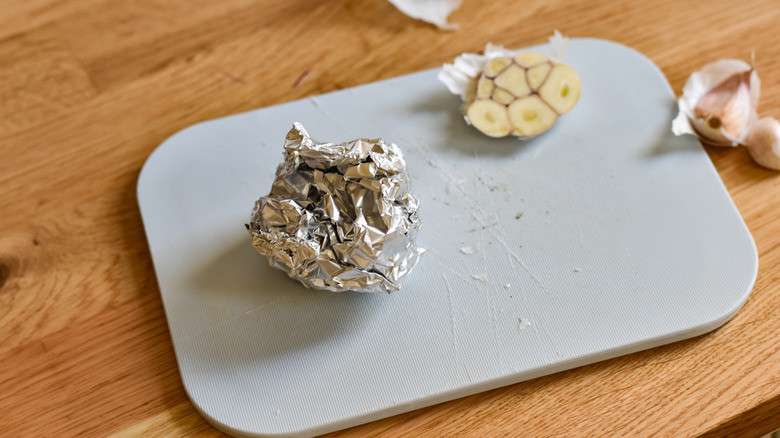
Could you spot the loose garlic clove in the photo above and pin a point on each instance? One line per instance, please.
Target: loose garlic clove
(513, 93)
(719, 103)
(763, 143)
(726, 106)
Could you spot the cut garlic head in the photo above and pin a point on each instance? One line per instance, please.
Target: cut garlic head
(763, 143)
(719, 103)
(506, 92)
(522, 95)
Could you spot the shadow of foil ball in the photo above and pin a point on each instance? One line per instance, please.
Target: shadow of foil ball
(339, 216)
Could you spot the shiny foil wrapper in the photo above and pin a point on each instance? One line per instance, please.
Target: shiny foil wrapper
(339, 216)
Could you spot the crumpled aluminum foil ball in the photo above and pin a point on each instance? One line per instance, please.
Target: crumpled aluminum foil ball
(339, 216)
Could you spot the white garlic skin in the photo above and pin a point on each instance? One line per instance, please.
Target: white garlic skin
(431, 11)
(763, 143)
(719, 103)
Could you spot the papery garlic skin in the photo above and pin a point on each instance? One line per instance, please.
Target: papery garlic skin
(460, 77)
(719, 103)
(763, 143)
(431, 11)
(506, 92)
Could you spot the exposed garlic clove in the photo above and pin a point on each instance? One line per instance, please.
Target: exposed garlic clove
(726, 106)
(561, 88)
(763, 142)
(495, 66)
(485, 88)
(530, 115)
(490, 117)
(513, 93)
(513, 80)
(537, 74)
(530, 59)
(503, 97)
(719, 103)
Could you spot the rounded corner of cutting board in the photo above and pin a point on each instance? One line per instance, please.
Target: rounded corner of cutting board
(235, 432)
(227, 426)
(749, 284)
(719, 318)
(154, 157)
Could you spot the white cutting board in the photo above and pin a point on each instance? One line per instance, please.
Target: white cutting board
(607, 234)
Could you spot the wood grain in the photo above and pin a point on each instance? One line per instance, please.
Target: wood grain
(88, 89)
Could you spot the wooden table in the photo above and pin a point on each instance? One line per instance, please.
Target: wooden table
(88, 89)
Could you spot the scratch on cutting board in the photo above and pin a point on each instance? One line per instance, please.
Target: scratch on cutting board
(453, 333)
(226, 320)
(453, 273)
(494, 322)
(453, 185)
(316, 104)
(517, 258)
(482, 217)
(499, 237)
(502, 241)
(491, 293)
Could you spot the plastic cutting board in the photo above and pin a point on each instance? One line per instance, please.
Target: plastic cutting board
(604, 236)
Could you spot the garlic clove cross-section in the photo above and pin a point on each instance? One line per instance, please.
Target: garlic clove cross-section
(530, 115)
(561, 89)
(490, 117)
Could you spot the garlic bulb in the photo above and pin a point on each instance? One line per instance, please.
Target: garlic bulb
(513, 93)
(719, 103)
(763, 143)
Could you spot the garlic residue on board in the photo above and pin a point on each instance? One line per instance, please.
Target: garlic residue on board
(719, 102)
(468, 250)
(520, 93)
(763, 142)
(431, 11)
(481, 277)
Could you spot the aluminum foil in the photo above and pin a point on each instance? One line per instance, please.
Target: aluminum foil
(339, 216)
